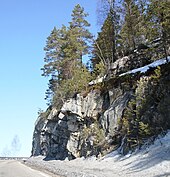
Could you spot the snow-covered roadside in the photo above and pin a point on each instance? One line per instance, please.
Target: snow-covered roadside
(152, 161)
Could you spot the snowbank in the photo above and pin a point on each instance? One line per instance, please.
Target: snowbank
(151, 161)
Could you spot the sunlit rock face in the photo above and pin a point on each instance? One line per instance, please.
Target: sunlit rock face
(77, 128)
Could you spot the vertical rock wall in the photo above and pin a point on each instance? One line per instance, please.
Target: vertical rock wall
(80, 127)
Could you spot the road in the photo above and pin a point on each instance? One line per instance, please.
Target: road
(13, 168)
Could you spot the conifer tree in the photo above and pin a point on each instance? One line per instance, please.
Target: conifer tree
(104, 52)
(54, 56)
(63, 60)
(78, 44)
(105, 44)
(159, 18)
(79, 34)
(142, 24)
(129, 31)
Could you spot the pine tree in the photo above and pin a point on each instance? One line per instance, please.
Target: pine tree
(79, 35)
(54, 57)
(129, 31)
(78, 45)
(105, 44)
(104, 52)
(142, 24)
(65, 48)
(159, 18)
(51, 55)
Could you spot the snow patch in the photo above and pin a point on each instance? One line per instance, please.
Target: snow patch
(98, 80)
(147, 67)
(150, 161)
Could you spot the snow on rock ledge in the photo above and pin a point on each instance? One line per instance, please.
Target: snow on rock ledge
(147, 67)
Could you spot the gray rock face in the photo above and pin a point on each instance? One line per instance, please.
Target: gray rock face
(112, 115)
(84, 107)
(125, 64)
(74, 130)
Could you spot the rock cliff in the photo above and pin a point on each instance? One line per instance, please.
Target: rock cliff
(82, 123)
(97, 123)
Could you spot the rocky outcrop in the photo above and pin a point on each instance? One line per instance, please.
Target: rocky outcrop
(97, 123)
(82, 122)
(125, 63)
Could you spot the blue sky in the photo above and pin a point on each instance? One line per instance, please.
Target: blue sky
(25, 25)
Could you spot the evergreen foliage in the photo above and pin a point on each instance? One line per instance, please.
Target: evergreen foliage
(105, 46)
(141, 120)
(65, 48)
(129, 32)
(159, 18)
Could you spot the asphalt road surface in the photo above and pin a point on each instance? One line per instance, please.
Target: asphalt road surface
(13, 168)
